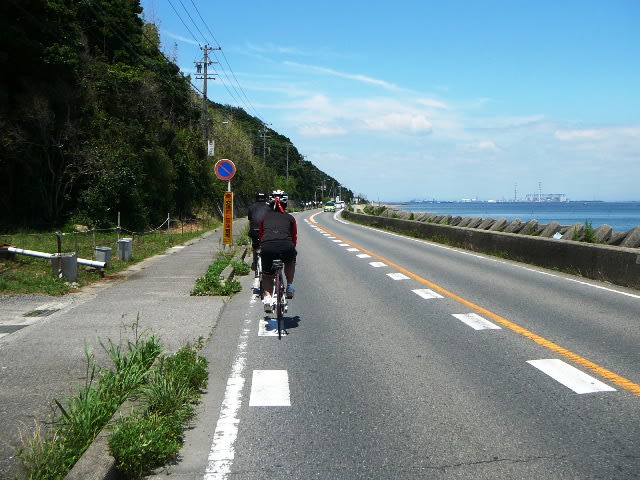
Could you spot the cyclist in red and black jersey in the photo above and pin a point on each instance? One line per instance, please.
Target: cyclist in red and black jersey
(278, 238)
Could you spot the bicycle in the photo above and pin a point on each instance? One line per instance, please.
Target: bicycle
(258, 275)
(280, 292)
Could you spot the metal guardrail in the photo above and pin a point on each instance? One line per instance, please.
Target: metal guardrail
(33, 253)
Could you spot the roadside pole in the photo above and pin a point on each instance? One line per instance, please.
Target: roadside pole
(225, 170)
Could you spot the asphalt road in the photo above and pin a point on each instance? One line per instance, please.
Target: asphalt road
(407, 359)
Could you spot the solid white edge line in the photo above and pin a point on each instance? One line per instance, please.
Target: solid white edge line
(222, 450)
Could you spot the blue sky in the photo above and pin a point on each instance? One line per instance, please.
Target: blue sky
(426, 99)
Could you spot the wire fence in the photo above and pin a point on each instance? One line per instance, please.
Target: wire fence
(85, 240)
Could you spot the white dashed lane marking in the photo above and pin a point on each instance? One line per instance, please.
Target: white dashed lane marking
(476, 322)
(268, 328)
(560, 371)
(270, 388)
(397, 276)
(570, 376)
(426, 293)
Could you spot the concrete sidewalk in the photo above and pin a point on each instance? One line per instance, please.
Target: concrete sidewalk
(42, 357)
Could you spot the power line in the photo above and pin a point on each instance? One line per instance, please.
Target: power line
(226, 61)
(185, 25)
(194, 23)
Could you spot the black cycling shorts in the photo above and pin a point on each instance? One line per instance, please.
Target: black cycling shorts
(270, 251)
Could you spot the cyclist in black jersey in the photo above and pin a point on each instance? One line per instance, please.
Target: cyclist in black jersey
(255, 216)
(278, 239)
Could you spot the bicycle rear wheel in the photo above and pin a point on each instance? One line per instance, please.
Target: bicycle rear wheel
(279, 291)
(259, 275)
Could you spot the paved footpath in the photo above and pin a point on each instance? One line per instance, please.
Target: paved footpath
(42, 354)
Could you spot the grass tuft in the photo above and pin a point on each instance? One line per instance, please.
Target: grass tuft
(51, 453)
(212, 284)
(150, 439)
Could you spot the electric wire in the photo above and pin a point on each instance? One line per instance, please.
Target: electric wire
(231, 94)
(248, 102)
(183, 23)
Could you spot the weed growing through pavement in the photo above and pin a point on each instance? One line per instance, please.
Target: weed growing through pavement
(152, 436)
(51, 452)
(211, 282)
(168, 387)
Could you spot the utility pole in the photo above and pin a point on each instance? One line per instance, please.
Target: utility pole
(288, 145)
(202, 74)
(264, 142)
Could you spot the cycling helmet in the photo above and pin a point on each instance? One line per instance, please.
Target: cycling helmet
(261, 197)
(278, 200)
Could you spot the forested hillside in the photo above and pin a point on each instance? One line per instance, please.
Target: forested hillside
(95, 120)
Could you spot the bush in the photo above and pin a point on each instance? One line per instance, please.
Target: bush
(589, 232)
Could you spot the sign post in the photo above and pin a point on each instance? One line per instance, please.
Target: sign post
(225, 170)
(227, 224)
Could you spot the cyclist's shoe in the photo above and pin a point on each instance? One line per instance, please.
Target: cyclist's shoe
(290, 290)
(268, 306)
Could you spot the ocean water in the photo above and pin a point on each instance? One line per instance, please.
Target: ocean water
(622, 216)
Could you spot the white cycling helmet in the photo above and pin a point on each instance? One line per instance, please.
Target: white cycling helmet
(278, 197)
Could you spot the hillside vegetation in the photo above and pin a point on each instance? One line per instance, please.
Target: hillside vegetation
(95, 120)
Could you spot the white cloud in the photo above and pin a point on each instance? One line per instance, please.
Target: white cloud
(399, 122)
(591, 134)
(483, 145)
(350, 76)
(597, 133)
(319, 130)
(432, 103)
(267, 48)
(180, 38)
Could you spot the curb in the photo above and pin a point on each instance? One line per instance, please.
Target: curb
(96, 463)
(228, 273)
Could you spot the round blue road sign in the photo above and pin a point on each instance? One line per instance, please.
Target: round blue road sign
(225, 169)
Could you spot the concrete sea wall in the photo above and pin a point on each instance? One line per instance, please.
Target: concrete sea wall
(552, 246)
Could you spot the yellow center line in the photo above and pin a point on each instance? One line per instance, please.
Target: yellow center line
(603, 372)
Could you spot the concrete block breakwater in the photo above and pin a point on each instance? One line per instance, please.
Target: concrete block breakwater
(603, 234)
(614, 257)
